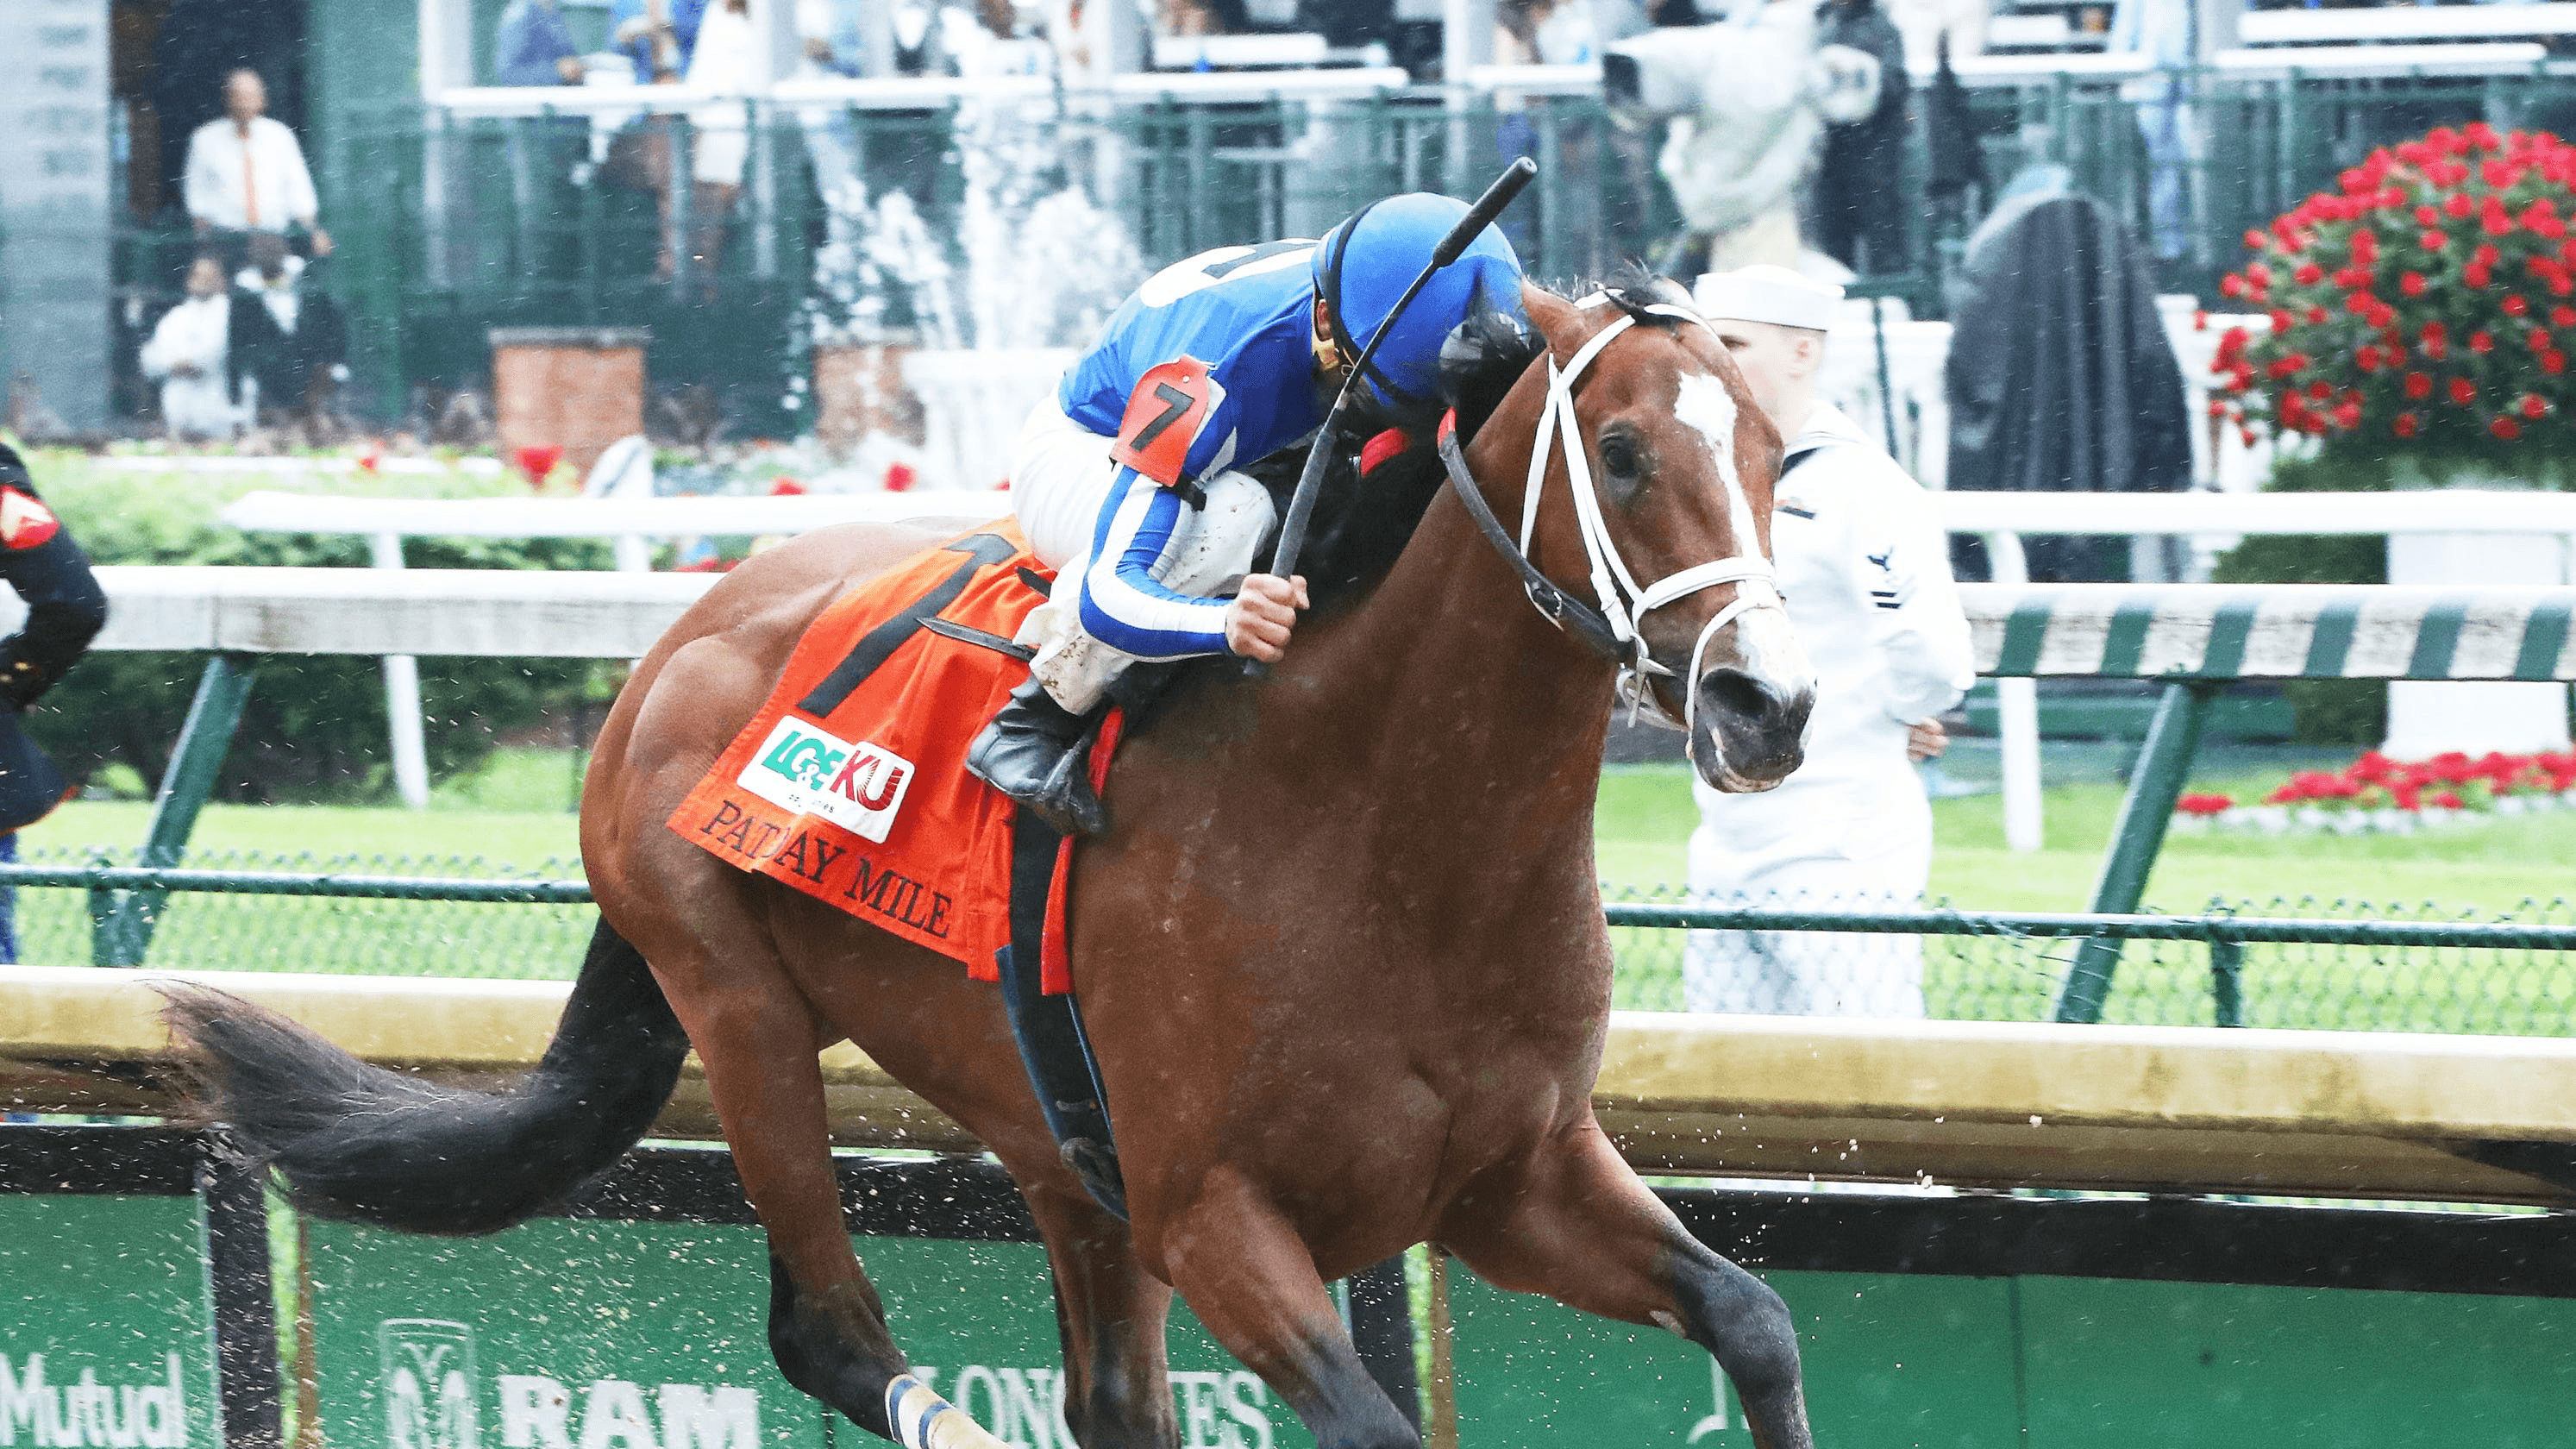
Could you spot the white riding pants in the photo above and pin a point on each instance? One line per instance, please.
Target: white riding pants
(1060, 480)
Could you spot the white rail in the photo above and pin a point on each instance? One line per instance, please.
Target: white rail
(386, 522)
(2430, 511)
(2003, 518)
(269, 512)
(2404, 22)
(921, 93)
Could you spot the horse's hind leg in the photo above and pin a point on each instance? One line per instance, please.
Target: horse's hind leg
(1251, 1280)
(1574, 1223)
(1111, 1312)
(759, 1040)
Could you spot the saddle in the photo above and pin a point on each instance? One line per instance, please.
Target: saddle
(849, 784)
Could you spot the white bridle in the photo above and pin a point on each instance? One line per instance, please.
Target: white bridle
(1622, 602)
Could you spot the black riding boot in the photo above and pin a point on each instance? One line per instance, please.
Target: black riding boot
(1032, 752)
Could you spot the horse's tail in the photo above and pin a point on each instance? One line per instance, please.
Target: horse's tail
(364, 1144)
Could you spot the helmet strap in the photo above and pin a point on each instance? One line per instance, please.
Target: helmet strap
(1350, 351)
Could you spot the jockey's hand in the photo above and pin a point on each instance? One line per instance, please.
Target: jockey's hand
(1925, 741)
(1258, 621)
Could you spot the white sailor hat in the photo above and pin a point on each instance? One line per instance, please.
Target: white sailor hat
(1767, 294)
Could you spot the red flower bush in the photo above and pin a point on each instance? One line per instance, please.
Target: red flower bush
(2467, 231)
(2205, 804)
(2449, 782)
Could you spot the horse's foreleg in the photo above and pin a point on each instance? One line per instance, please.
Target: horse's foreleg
(827, 1327)
(1118, 1389)
(1250, 1279)
(1574, 1223)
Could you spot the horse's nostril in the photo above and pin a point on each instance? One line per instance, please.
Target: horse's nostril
(1733, 692)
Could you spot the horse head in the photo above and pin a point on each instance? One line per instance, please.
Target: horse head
(1649, 476)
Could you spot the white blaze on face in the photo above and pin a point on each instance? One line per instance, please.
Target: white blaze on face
(1705, 404)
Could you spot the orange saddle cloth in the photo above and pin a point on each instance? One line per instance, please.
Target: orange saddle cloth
(850, 784)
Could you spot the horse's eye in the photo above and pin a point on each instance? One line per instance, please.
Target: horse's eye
(1619, 456)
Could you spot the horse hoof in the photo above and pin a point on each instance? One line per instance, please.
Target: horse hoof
(923, 1420)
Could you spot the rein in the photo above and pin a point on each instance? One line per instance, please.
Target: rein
(1610, 627)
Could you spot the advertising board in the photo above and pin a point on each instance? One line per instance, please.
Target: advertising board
(604, 1334)
(104, 1336)
(1943, 1362)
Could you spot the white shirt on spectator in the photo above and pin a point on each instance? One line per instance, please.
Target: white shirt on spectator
(727, 62)
(248, 183)
(196, 333)
(1865, 567)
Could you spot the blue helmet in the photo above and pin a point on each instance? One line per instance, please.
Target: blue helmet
(1365, 264)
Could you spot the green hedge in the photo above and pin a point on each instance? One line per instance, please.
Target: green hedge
(314, 729)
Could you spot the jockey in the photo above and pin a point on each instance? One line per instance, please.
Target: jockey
(1128, 480)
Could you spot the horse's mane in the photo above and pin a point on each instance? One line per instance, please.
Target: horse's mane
(1359, 530)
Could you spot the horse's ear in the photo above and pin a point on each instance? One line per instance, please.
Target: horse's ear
(1557, 319)
(1632, 282)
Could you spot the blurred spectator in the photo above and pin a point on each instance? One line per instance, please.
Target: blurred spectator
(1349, 22)
(534, 47)
(1187, 18)
(189, 356)
(1955, 179)
(1746, 104)
(1616, 20)
(2160, 32)
(1567, 34)
(246, 172)
(1543, 32)
(2061, 377)
(833, 36)
(834, 43)
(1857, 203)
(660, 36)
(1865, 568)
(726, 62)
(1926, 23)
(1516, 26)
(287, 336)
(198, 43)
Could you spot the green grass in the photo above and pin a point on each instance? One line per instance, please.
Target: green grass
(1646, 817)
(512, 816)
(514, 812)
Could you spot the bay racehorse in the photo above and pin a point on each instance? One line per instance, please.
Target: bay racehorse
(1341, 953)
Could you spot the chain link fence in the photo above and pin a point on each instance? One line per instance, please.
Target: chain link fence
(369, 935)
(2395, 967)
(1996, 967)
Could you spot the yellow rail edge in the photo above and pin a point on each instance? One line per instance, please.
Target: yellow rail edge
(1966, 1104)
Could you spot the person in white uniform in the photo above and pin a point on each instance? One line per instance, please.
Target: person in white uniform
(189, 354)
(1865, 567)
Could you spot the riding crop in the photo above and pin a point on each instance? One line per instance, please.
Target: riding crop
(1301, 505)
